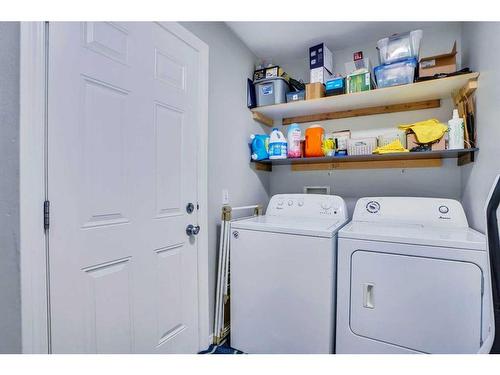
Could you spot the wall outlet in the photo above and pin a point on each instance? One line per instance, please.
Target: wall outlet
(225, 196)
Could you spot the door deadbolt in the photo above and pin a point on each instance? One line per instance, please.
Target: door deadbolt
(190, 208)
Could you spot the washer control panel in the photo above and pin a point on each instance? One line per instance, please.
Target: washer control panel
(307, 205)
(411, 210)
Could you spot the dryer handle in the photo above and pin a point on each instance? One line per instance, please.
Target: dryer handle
(368, 300)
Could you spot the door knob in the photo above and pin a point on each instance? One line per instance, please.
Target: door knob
(192, 230)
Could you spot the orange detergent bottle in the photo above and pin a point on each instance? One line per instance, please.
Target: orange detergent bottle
(314, 139)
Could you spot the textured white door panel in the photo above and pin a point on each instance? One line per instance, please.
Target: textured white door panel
(121, 168)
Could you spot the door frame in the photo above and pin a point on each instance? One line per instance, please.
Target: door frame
(34, 243)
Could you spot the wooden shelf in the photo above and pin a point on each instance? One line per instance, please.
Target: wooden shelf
(420, 95)
(395, 160)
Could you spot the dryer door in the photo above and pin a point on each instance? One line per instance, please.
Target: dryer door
(425, 304)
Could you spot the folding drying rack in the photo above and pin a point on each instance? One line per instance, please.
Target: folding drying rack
(222, 310)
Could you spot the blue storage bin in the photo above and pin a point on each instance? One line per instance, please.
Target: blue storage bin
(395, 74)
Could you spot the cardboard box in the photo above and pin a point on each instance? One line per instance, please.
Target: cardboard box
(335, 86)
(352, 66)
(320, 57)
(315, 91)
(411, 142)
(341, 139)
(446, 63)
(359, 82)
(320, 75)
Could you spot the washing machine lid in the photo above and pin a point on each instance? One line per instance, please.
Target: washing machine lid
(415, 234)
(290, 225)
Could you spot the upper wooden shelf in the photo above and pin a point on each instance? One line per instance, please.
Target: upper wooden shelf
(420, 95)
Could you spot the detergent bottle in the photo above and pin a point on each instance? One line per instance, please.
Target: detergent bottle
(260, 146)
(277, 145)
(294, 135)
(456, 132)
(314, 141)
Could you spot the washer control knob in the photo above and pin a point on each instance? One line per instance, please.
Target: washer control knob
(290, 202)
(444, 209)
(326, 205)
(280, 203)
(300, 203)
(373, 207)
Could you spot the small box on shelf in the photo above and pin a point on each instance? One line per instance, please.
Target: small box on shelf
(320, 75)
(320, 56)
(439, 64)
(315, 91)
(357, 82)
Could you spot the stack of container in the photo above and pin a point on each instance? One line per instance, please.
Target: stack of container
(398, 59)
(320, 63)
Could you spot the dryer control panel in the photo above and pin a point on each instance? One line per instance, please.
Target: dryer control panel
(411, 210)
(307, 206)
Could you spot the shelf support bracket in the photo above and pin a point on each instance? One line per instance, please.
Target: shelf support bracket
(263, 119)
(263, 167)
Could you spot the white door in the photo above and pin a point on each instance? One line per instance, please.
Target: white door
(123, 127)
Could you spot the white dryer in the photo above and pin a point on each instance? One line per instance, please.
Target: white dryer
(283, 275)
(412, 278)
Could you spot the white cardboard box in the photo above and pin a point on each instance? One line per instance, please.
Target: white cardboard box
(320, 75)
(320, 56)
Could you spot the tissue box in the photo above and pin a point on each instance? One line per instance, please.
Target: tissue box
(320, 75)
(320, 57)
(335, 86)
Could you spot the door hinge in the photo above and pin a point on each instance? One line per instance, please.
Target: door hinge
(46, 215)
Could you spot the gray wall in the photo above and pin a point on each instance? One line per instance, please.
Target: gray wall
(481, 41)
(229, 128)
(10, 294)
(351, 184)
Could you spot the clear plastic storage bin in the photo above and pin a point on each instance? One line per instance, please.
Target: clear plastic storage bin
(399, 46)
(395, 74)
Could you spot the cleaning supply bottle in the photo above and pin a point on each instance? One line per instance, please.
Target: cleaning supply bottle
(314, 141)
(455, 132)
(293, 137)
(260, 146)
(277, 145)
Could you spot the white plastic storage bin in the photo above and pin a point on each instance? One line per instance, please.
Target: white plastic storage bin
(399, 46)
(271, 91)
(361, 146)
(395, 74)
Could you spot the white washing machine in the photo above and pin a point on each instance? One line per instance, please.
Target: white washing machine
(283, 275)
(412, 278)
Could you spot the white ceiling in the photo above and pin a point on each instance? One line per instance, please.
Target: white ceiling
(290, 40)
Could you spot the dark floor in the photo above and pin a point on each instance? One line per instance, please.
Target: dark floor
(223, 348)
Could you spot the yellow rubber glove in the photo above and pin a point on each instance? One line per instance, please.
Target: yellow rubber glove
(426, 131)
(394, 146)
